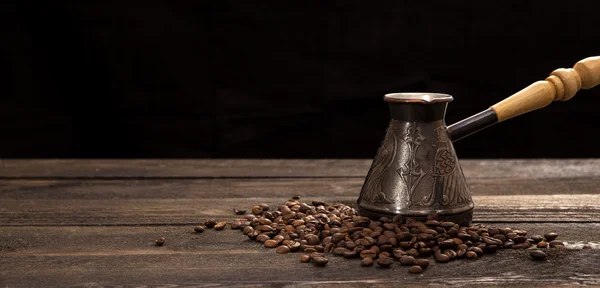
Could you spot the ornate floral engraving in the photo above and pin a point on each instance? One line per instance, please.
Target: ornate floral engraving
(410, 171)
(447, 172)
(386, 153)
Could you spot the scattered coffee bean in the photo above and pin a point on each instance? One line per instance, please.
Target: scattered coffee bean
(320, 261)
(550, 236)
(159, 241)
(366, 262)
(537, 238)
(210, 223)
(471, 254)
(239, 212)
(220, 225)
(282, 249)
(199, 229)
(442, 258)
(415, 269)
(556, 243)
(304, 258)
(385, 262)
(407, 260)
(537, 254)
(257, 210)
(270, 243)
(542, 244)
(424, 263)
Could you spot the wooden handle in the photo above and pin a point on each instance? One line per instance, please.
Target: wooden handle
(562, 84)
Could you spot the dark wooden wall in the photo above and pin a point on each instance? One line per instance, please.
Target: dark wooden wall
(299, 79)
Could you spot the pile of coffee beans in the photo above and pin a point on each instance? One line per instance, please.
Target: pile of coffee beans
(318, 230)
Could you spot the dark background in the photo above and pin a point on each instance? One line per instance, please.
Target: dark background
(295, 79)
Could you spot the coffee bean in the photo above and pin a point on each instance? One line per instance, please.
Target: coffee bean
(304, 258)
(385, 262)
(493, 231)
(210, 223)
(298, 222)
(442, 258)
(407, 260)
(537, 238)
(447, 244)
(519, 239)
(282, 249)
(270, 243)
(500, 237)
(263, 238)
(556, 243)
(257, 210)
(489, 249)
(220, 225)
(366, 262)
(159, 241)
(477, 250)
(320, 261)
(471, 254)
(368, 254)
(350, 254)
(337, 237)
(415, 269)
(542, 244)
(309, 250)
(199, 229)
(404, 236)
(413, 252)
(550, 236)
(294, 245)
(424, 263)
(236, 224)
(296, 197)
(508, 244)
(313, 240)
(537, 254)
(523, 245)
(492, 241)
(264, 207)
(339, 251)
(239, 212)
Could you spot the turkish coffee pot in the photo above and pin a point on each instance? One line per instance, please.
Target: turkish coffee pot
(415, 170)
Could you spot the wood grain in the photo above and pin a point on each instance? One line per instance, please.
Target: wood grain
(277, 168)
(99, 256)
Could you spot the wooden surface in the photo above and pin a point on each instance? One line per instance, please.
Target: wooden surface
(93, 223)
(562, 84)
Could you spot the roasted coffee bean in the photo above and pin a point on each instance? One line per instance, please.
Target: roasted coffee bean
(270, 243)
(493, 231)
(404, 236)
(519, 239)
(407, 260)
(296, 197)
(309, 250)
(320, 261)
(264, 207)
(556, 243)
(313, 240)
(537, 238)
(199, 229)
(305, 258)
(318, 203)
(239, 212)
(257, 210)
(461, 253)
(522, 245)
(316, 254)
(537, 254)
(500, 237)
(366, 262)
(282, 249)
(550, 236)
(210, 223)
(263, 238)
(397, 253)
(236, 224)
(415, 269)
(220, 225)
(264, 221)
(442, 258)
(368, 254)
(511, 235)
(432, 216)
(248, 229)
(447, 244)
(542, 244)
(159, 241)
(424, 263)
(385, 262)
(350, 254)
(477, 250)
(451, 253)
(447, 225)
(339, 251)
(492, 241)
(508, 244)
(337, 237)
(413, 252)
(471, 254)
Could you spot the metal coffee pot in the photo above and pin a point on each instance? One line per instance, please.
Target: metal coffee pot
(416, 171)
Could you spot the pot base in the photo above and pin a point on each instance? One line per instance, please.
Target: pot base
(462, 219)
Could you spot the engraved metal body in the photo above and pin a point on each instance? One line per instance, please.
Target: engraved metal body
(415, 170)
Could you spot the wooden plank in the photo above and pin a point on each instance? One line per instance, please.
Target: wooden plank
(109, 256)
(527, 208)
(178, 202)
(209, 168)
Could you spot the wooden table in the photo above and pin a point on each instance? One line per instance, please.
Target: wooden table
(93, 223)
